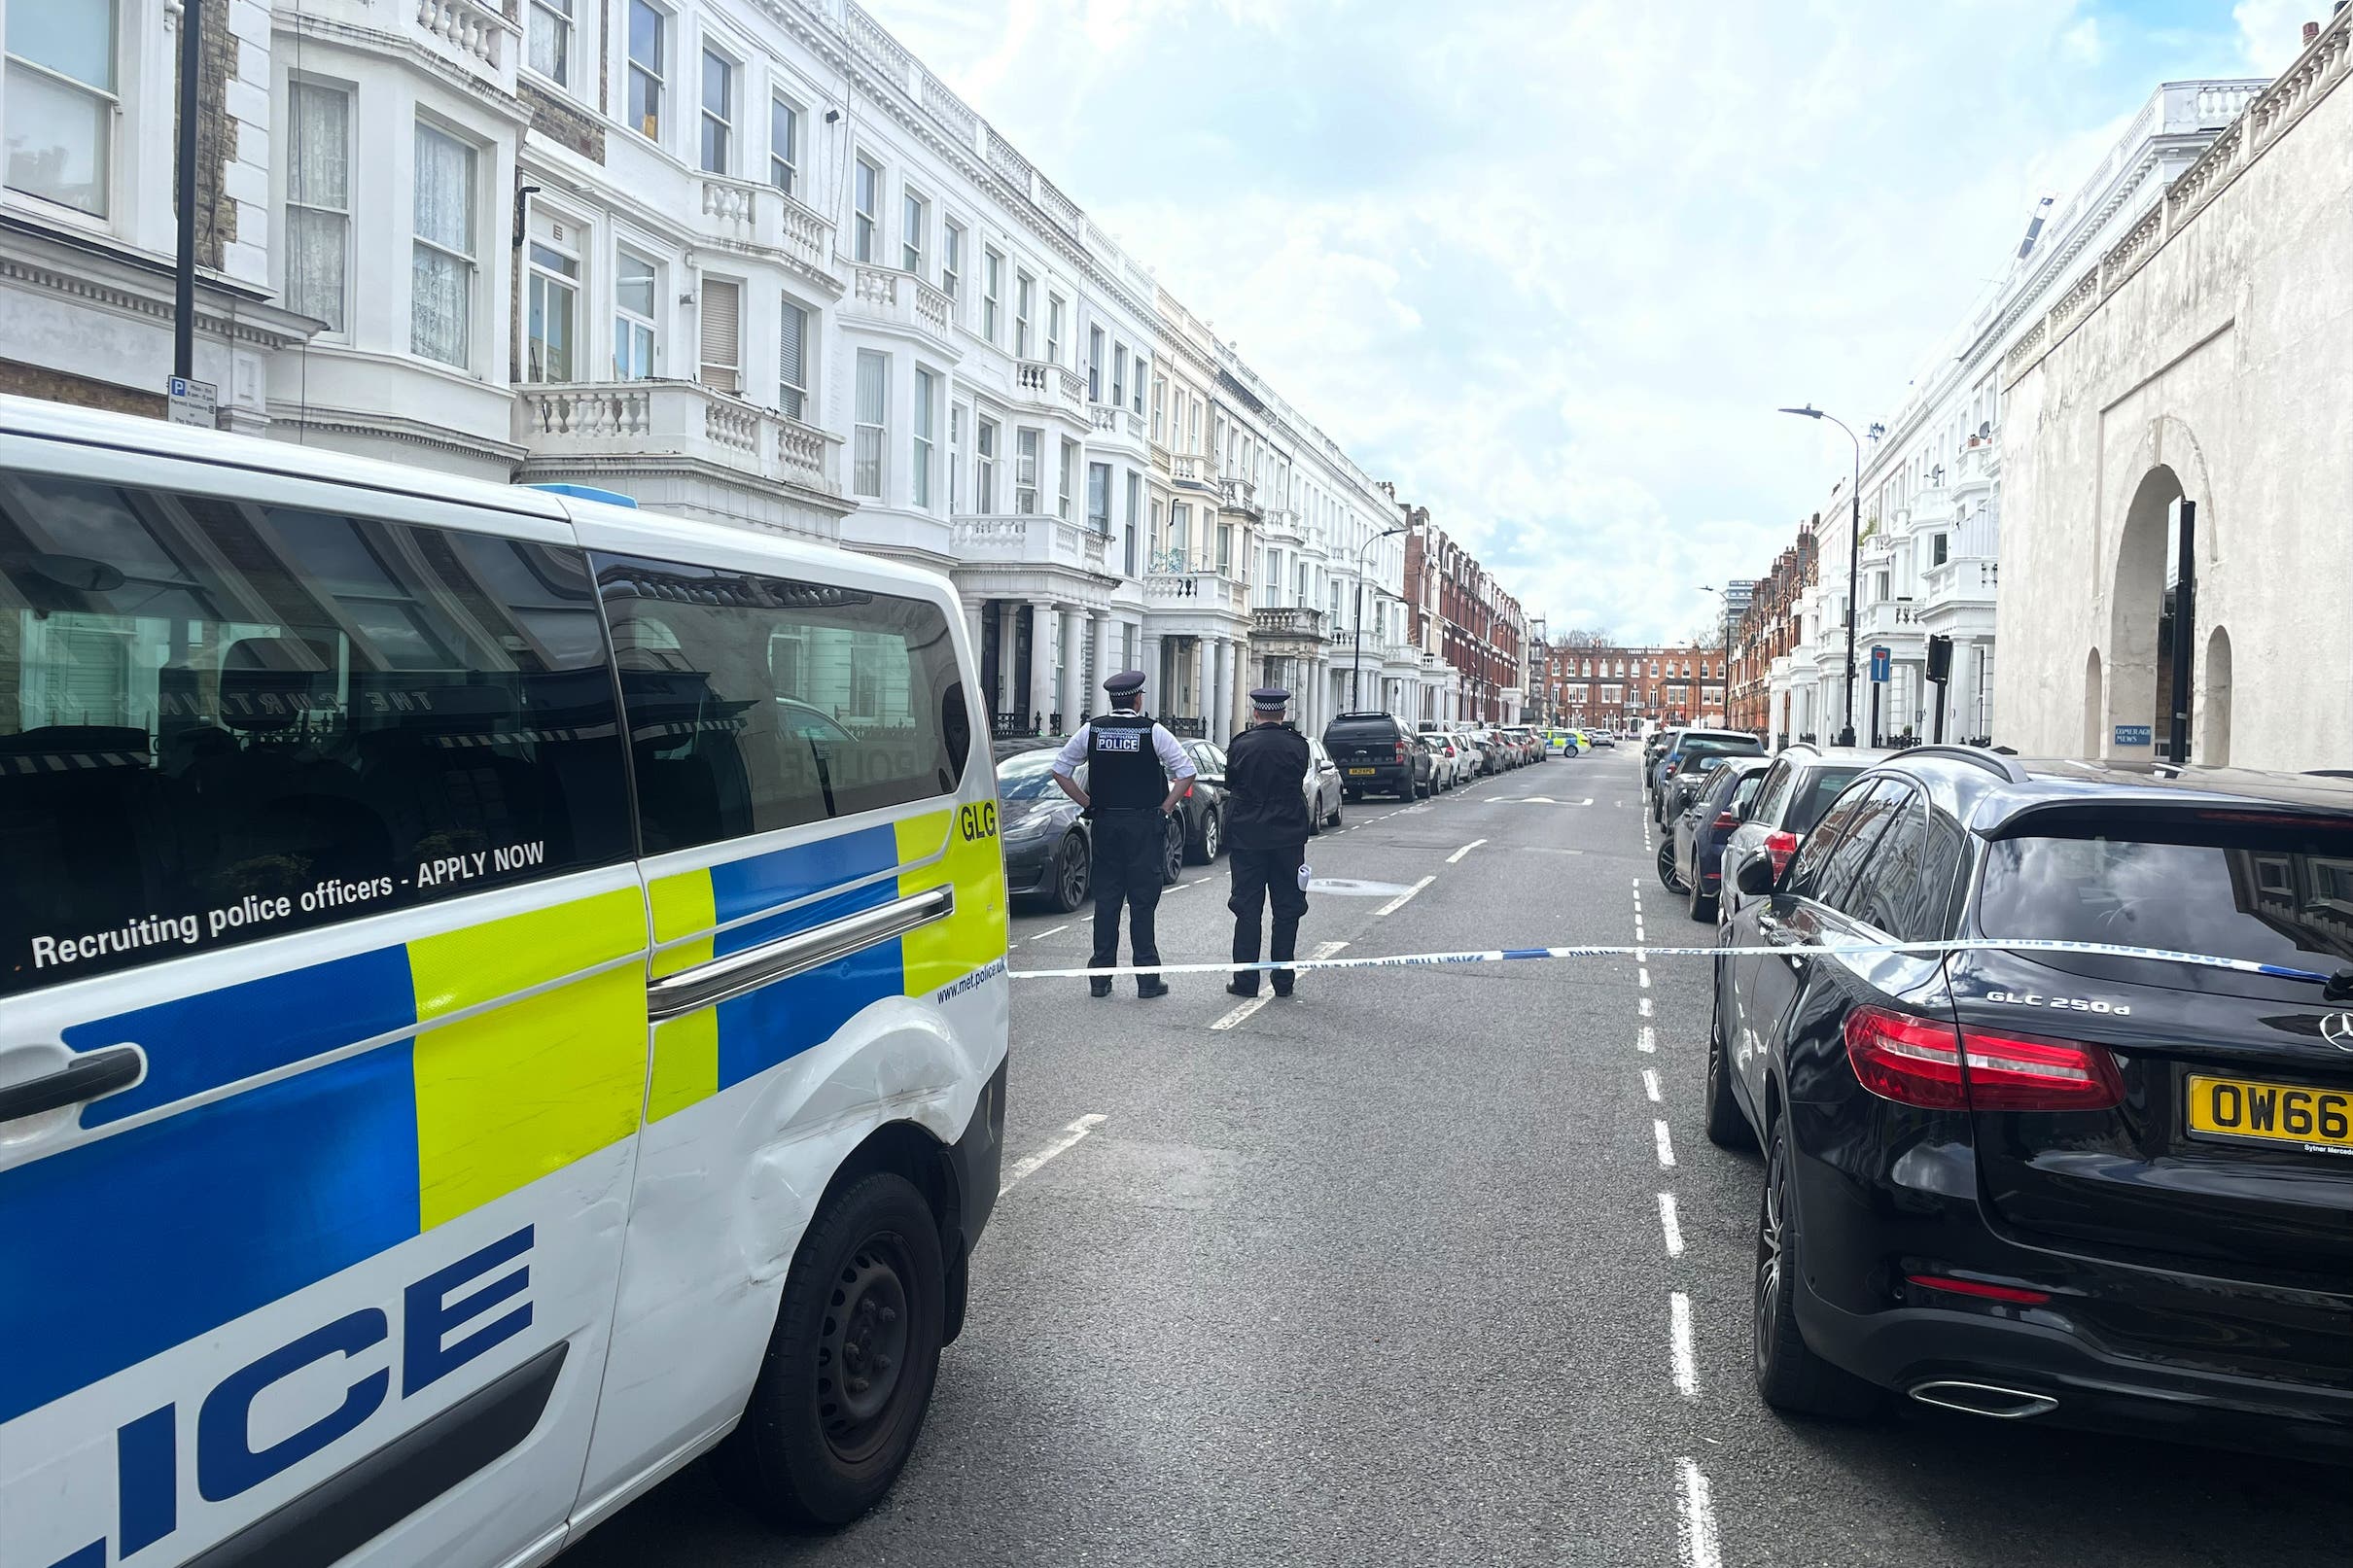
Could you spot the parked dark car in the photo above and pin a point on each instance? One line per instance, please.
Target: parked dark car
(1047, 844)
(1375, 753)
(2082, 1189)
(1690, 861)
(1204, 810)
(1653, 748)
(1799, 786)
(1688, 747)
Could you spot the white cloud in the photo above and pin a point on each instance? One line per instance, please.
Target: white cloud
(2271, 32)
(1551, 267)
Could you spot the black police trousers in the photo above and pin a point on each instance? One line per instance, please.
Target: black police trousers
(1128, 850)
(1263, 874)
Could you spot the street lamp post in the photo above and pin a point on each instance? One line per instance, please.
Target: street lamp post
(1356, 678)
(1854, 556)
(1725, 598)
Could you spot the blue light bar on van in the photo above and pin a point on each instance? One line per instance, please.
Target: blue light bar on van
(587, 492)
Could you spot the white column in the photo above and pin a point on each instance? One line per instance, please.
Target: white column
(1221, 692)
(1045, 629)
(1155, 682)
(1074, 683)
(1100, 667)
(976, 612)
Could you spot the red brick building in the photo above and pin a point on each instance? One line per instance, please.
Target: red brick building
(1616, 687)
(1767, 632)
(1480, 631)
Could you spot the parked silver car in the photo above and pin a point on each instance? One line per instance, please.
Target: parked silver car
(1322, 787)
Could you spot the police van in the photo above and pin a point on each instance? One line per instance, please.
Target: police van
(499, 994)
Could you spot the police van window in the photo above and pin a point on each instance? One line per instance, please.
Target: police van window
(757, 702)
(223, 721)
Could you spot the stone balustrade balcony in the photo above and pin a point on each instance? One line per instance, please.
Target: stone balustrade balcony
(474, 36)
(606, 425)
(1039, 384)
(1030, 541)
(895, 299)
(1287, 620)
(1192, 471)
(1960, 581)
(1238, 495)
(754, 215)
(1114, 423)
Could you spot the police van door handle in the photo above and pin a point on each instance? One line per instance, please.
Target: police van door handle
(89, 1077)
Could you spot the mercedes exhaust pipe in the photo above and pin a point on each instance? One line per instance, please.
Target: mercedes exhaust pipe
(1984, 1399)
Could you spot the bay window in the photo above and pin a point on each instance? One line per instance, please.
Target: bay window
(646, 29)
(925, 385)
(793, 361)
(552, 313)
(865, 228)
(634, 287)
(440, 316)
(718, 112)
(783, 145)
(868, 432)
(318, 202)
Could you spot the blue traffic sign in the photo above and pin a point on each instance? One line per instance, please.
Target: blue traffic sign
(1879, 659)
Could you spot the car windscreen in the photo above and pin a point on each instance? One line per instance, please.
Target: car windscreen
(2233, 885)
(1724, 746)
(1026, 777)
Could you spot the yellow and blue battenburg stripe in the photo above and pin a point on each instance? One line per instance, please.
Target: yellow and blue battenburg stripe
(698, 1055)
(120, 1248)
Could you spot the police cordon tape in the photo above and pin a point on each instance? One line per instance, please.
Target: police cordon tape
(1642, 951)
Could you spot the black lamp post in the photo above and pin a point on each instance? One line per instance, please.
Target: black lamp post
(1854, 556)
(1356, 678)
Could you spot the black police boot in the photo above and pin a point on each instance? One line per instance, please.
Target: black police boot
(1099, 988)
(1243, 988)
(1282, 985)
(1151, 986)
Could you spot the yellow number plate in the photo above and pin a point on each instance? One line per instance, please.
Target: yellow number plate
(1353, 771)
(2320, 1120)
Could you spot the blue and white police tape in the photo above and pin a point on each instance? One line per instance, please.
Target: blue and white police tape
(1642, 951)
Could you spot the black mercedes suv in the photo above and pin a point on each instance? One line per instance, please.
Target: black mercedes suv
(2090, 1189)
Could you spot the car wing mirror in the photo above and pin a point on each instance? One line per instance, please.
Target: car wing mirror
(1755, 878)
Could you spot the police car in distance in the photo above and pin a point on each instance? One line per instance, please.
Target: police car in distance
(454, 945)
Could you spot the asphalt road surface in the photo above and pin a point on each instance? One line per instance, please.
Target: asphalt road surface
(1433, 1266)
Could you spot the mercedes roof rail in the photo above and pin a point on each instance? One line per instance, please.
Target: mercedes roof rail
(2001, 767)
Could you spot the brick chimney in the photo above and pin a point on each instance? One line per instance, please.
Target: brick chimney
(2311, 31)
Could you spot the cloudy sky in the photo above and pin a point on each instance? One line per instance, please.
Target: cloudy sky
(1551, 264)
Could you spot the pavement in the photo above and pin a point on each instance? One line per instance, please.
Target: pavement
(1432, 1265)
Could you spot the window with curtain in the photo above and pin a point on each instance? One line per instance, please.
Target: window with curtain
(62, 103)
(868, 429)
(783, 145)
(1065, 479)
(1160, 408)
(718, 112)
(441, 314)
(1181, 535)
(914, 224)
(926, 389)
(1094, 364)
(1135, 392)
(1054, 329)
(552, 313)
(793, 359)
(647, 27)
(865, 228)
(1119, 375)
(1135, 506)
(551, 40)
(318, 202)
(1025, 472)
(958, 415)
(634, 286)
(721, 334)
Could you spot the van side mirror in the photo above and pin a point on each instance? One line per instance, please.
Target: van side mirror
(1756, 877)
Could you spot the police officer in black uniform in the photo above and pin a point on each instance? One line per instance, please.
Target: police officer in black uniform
(1137, 774)
(1265, 827)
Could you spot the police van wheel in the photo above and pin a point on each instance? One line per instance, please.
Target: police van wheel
(850, 1367)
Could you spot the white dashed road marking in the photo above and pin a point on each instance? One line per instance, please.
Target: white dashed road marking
(1695, 1520)
(1686, 1364)
(1650, 1085)
(1671, 1225)
(1644, 1002)
(1324, 951)
(1052, 932)
(1027, 1164)
(1402, 899)
(1666, 1148)
(1649, 1040)
(1456, 858)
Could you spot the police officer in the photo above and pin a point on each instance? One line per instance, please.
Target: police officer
(1137, 774)
(1266, 826)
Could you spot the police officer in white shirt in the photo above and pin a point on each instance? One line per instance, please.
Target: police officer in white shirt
(1137, 775)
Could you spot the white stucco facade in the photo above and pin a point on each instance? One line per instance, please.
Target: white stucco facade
(2209, 358)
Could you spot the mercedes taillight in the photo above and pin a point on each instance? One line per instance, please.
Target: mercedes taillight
(1937, 1066)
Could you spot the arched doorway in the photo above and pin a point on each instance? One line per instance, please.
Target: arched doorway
(2094, 714)
(2140, 615)
(2214, 701)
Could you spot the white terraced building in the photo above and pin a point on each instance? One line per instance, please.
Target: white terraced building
(1931, 514)
(745, 260)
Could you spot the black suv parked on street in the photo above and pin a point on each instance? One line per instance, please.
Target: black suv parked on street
(2099, 1191)
(1375, 752)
